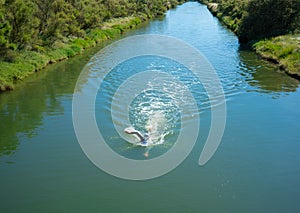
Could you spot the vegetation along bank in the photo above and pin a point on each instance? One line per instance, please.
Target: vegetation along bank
(35, 33)
(271, 27)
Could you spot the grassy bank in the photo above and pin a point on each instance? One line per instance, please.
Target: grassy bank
(282, 50)
(24, 63)
(257, 25)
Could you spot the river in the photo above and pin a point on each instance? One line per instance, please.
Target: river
(255, 168)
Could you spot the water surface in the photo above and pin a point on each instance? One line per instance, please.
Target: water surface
(255, 169)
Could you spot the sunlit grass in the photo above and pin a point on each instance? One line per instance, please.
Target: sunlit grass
(285, 50)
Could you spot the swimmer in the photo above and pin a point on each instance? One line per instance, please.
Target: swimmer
(132, 131)
(144, 139)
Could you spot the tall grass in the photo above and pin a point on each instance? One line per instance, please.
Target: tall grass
(284, 50)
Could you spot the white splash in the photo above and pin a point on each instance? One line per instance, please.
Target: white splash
(156, 127)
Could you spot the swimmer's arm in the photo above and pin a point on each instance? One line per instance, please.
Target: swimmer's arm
(140, 136)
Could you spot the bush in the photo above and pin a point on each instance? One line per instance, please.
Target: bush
(269, 18)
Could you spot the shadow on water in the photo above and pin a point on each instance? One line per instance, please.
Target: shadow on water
(265, 77)
(23, 110)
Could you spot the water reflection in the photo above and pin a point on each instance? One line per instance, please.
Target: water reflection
(23, 110)
(22, 117)
(265, 77)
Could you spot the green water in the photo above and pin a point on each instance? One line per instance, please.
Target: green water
(255, 169)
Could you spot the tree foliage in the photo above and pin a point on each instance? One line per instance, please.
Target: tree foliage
(5, 29)
(268, 18)
(259, 19)
(26, 24)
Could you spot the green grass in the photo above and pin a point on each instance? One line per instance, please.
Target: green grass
(284, 50)
(27, 62)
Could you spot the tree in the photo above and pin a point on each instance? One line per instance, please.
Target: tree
(267, 18)
(5, 30)
(27, 24)
(20, 15)
(90, 13)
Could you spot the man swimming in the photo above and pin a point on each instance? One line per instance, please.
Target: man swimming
(132, 131)
(144, 139)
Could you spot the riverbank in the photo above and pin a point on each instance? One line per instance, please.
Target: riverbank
(26, 63)
(283, 50)
(34, 34)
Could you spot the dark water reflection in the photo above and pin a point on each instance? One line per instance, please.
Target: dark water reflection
(23, 110)
(265, 77)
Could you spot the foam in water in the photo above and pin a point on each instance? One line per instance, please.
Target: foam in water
(156, 126)
(155, 114)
